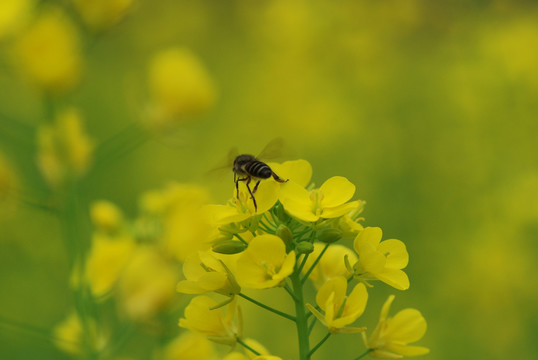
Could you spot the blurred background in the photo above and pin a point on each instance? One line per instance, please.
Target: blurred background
(430, 108)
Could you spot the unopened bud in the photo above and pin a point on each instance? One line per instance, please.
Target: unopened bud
(304, 247)
(228, 247)
(285, 234)
(329, 235)
(281, 213)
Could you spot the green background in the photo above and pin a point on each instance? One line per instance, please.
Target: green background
(430, 108)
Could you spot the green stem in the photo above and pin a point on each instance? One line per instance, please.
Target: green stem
(301, 318)
(278, 312)
(312, 324)
(303, 263)
(319, 344)
(248, 347)
(363, 354)
(315, 263)
(34, 330)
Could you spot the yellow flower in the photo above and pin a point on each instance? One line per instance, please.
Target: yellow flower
(13, 14)
(205, 272)
(106, 260)
(298, 171)
(105, 215)
(101, 14)
(215, 324)
(391, 335)
(330, 265)
(381, 260)
(180, 87)
(238, 210)
(329, 201)
(340, 310)
(147, 284)
(179, 209)
(264, 264)
(189, 346)
(48, 53)
(65, 150)
(69, 335)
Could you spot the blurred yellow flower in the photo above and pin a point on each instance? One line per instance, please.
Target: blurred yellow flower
(13, 15)
(204, 272)
(101, 14)
(64, 149)
(391, 335)
(382, 260)
(70, 337)
(147, 284)
(330, 265)
(340, 309)
(48, 53)
(180, 208)
(189, 346)
(8, 181)
(180, 87)
(106, 216)
(329, 201)
(106, 260)
(264, 264)
(215, 324)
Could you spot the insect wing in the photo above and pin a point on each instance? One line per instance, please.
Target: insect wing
(273, 150)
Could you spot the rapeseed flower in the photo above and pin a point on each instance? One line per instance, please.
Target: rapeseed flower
(382, 260)
(13, 15)
(180, 87)
(48, 52)
(72, 337)
(179, 211)
(329, 201)
(391, 335)
(147, 284)
(101, 14)
(331, 264)
(64, 148)
(215, 324)
(340, 309)
(189, 346)
(265, 263)
(204, 273)
(106, 216)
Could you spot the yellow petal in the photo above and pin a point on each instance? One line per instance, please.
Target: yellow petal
(298, 171)
(336, 191)
(356, 301)
(394, 277)
(224, 214)
(296, 201)
(266, 196)
(336, 286)
(406, 326)
(396, 253)
(189, 287)
(337, 211)
(372, 260)
(370, 235)
(386, 308)
(407, 350)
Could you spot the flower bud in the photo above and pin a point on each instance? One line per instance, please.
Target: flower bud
(285, 234)
(304, 247)
(105, 215)
(329, 235)
(228, 247)
(281, 213)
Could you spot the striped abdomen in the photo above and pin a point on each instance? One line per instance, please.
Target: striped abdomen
(258, 169)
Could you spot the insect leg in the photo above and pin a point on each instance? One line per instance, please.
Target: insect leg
(278, 178)
(256, 187)
(237, 185)
(252, 195)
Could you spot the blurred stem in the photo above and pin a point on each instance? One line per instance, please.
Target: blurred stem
(300, 315)
(31, 329)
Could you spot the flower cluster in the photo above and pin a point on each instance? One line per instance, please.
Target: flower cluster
(291, 237)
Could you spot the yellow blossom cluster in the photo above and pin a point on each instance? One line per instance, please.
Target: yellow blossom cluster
(288, 238)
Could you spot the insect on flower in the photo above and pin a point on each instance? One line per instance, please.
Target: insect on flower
(247, 168)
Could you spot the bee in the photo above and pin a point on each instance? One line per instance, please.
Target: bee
(247, 168)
